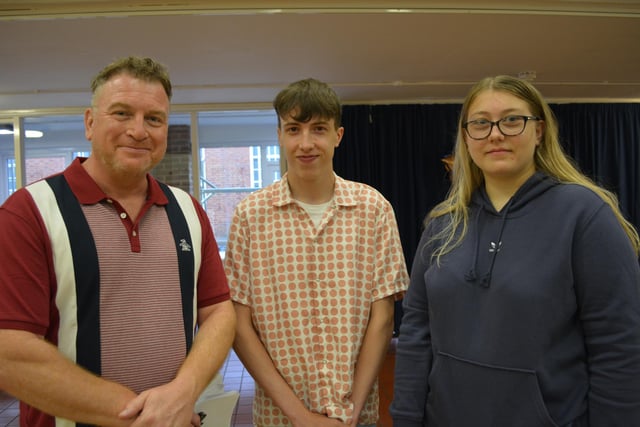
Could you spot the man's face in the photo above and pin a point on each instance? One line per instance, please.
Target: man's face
(309, 146)
(128, 125)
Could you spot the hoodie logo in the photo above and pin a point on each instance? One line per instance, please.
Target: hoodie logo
(493, 247)
(184, 246)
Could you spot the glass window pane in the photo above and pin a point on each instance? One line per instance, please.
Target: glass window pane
(236, 160)
(61, 137)
(7, 160)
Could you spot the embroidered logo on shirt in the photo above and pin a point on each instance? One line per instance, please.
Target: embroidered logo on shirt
(495, 247)
(184, 246)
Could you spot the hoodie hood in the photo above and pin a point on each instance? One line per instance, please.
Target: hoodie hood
(483, 212)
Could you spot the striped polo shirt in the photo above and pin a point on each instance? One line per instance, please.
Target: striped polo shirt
(118, 297)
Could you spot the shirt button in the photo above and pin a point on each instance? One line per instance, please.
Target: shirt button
(134, 233)
(123, 215)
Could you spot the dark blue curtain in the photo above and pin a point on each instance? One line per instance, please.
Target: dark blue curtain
(604, 140)
(398, 149)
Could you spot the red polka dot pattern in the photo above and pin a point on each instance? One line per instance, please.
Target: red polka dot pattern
(311, 289)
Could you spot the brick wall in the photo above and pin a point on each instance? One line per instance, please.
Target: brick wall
(226, 167)
(42, 167)
(175, 168)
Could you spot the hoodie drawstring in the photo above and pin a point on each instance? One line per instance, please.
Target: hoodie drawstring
(470, 276)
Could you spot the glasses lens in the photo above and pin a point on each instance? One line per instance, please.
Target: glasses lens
(512, 125)
(479, 129)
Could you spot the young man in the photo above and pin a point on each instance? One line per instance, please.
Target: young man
(106, 273)
(314, 264)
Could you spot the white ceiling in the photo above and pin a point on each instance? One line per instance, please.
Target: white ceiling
(240, 53)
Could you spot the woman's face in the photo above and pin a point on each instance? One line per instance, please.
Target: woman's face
(501, 157)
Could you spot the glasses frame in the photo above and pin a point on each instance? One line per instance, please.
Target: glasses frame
(497, 124)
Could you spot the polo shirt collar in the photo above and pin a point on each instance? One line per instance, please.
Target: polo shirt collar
(88, 192)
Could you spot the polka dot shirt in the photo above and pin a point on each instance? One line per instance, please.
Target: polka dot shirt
(311, 288)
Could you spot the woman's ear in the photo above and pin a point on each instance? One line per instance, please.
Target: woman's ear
(540, 128)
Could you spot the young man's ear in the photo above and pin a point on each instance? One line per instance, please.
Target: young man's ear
(340, 133)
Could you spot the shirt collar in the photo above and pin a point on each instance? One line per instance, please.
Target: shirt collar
(88, 192)
(343, 194)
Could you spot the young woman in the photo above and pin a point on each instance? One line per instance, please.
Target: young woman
(524, 302)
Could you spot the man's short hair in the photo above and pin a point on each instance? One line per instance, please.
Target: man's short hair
(308, 98)
(145, 69)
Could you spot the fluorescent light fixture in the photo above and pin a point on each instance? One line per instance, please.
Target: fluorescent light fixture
(33, 134)
(8, 130)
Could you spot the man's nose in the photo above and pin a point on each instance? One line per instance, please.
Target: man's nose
(306, 139)
(137, 128)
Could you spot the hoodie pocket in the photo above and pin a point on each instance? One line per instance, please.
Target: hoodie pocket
(467, 393)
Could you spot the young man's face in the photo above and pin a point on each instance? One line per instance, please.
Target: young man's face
(309, 146)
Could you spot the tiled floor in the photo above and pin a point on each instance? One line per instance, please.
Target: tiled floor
(8, 410)
(235, 377)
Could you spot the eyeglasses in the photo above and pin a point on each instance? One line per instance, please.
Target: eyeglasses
(508, 126)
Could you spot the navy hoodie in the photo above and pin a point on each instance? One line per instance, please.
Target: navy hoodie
(532, 321)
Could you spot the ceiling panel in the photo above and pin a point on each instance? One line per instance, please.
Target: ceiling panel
(235, 53)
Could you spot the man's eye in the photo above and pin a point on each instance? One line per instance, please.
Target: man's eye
(121, 114)
(155, 120)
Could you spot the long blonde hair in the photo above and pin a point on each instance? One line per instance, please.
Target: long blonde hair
(549, 158)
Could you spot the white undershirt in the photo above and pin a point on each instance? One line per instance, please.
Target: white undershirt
(316, 212)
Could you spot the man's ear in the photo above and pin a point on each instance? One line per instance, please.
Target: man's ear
(279, 132)
(340, 133)
(88, 123)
